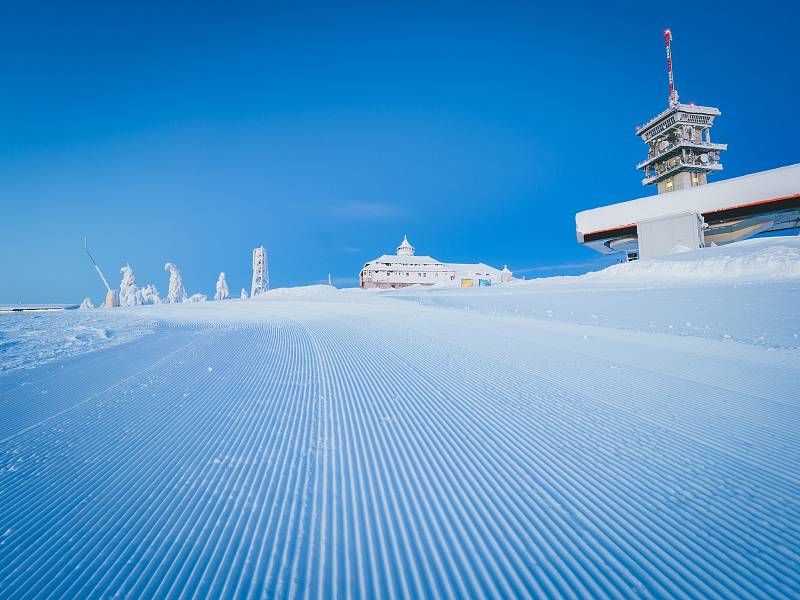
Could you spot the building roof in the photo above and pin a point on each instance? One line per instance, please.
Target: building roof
(405, 249)
(405, 260)
(778, 183)
(684, 108)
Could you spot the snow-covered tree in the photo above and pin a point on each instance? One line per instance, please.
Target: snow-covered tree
(128, 290)
(223, 293)
(196, 298)
(176, 293)
(243, 295)
(87, 303)
(149, 295)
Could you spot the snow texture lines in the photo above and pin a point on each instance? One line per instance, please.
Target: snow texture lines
(381, 449)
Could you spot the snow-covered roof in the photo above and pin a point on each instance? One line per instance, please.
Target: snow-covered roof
(405, 260)
(686, 108)
(473, 267)
(405, 249)
(426, 263)
(749, 189)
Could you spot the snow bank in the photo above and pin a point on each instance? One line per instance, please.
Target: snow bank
(87, 303)
(300, 292)
(750, 260)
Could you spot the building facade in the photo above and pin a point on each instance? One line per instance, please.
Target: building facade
(392, 271)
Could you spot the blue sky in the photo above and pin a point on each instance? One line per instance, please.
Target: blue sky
(192, 132)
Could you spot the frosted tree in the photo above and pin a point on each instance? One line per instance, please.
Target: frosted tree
(87, 303)
(223, 293)
(149, 295)
(128, 290)
(196, 298)
(176, 292)
(243, 295)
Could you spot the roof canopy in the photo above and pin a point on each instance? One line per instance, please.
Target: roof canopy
(737, 191)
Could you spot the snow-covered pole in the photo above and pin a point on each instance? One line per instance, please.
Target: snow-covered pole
(97, 268)
(673, 93)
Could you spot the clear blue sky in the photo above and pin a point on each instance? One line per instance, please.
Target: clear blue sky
(192, 132)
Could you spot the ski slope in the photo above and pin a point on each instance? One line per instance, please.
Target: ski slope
(530, 440)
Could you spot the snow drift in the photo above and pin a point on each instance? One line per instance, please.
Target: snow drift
(750, 260)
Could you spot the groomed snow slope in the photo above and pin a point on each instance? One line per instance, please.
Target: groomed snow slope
(319, 443)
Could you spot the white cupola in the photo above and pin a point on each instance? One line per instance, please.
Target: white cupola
(405, 249)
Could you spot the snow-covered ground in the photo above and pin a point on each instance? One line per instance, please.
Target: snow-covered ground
(613, 435)
(29, 339)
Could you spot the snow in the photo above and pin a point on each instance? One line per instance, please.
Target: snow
(243, 295)
(176, 292)
(749, 260)
(737, 191)
(149, 295)
(132, 295)
(128, 290)
(32, 339)
(535, 439)
(86, 303)
(222, 291)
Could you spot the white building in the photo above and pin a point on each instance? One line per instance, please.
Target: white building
(405, 268)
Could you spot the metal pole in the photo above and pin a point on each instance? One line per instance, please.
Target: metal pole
(673, 94)
(97, 268)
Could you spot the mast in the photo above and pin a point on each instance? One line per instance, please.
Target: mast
(673, 93)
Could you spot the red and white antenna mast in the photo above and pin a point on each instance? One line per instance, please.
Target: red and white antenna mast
(673, 93)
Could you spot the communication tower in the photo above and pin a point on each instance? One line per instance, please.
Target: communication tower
(680, 153)
(260, 272)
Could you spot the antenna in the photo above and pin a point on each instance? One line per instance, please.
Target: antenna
(673, 93)
(99, 272)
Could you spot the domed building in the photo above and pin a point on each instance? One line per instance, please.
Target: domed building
(405, 268)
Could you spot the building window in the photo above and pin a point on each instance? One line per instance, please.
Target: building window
(668, 185)
(695, 179)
